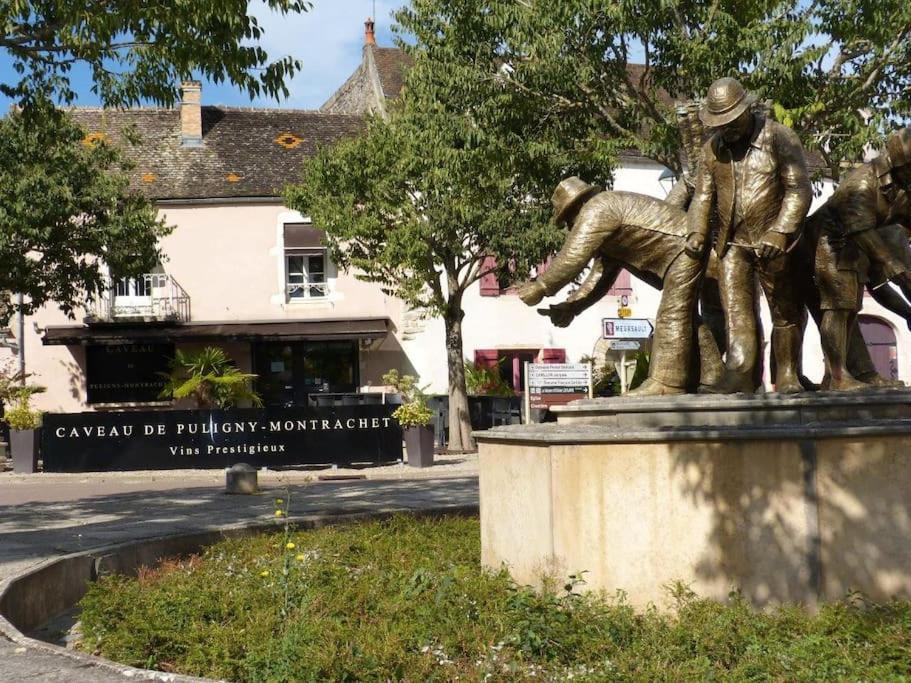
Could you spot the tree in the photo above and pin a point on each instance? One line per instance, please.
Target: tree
(837, 71)
(138, 50)
(421, 200)
(66, 213)
(210, 378)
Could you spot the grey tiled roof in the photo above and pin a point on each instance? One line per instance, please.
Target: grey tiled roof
(244, 153)
(391, 63)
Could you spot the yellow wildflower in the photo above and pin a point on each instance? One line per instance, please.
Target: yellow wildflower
(300, 557)
(290, 546)
(279, 513)
(265, 572)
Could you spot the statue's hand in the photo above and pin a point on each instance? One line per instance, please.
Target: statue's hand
(531, 292)
(560, 315)
(772, 244)
(695, 244)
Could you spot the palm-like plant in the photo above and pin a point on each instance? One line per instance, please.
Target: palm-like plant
(209, 377)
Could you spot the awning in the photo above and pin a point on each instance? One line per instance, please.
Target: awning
(284, 330)
(303, 236)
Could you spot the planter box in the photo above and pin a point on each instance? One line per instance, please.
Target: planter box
(24, 449)
(419, 446)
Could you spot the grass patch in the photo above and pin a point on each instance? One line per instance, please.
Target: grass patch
(406, 600)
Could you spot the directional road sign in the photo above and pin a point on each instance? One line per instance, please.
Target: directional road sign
(627, 328)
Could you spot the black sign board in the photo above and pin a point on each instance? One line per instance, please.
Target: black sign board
(186, 439)
(126, 373)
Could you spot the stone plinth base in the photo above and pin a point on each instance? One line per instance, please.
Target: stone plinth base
(750, 410)
(797, 513)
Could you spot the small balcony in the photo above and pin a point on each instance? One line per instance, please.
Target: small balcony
(151, 297)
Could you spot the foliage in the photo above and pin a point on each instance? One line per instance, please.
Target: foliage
(605, 380)
(483, 380)
(407, 599)
(837, 71)
(21, 416)
(210, 378)
(15, 397)
(640, 374)
(414, 411)
(137, 51)
(65, 206)
(421, 199)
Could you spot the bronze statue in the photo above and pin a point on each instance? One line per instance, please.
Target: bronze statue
(753, 179)
(648, 237)
(856, 244)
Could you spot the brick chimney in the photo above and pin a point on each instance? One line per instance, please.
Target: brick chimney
(369, 32)
(191, 113)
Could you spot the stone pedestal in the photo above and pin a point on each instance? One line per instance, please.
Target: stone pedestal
(803, 504)
(241, 479)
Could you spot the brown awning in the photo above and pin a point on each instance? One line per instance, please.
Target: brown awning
(303, 236)
(296, 330)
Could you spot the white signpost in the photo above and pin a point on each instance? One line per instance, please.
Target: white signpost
(626, 334)
(549, 384)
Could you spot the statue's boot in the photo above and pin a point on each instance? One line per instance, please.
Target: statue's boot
(786, 343)
(732, 383)
(848, 382)
(653, 387)
(876, 380)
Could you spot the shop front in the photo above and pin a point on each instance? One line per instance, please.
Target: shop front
(294, 361)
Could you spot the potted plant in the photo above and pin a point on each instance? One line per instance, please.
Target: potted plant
(415, 417)
(24, 421)
(209, 378)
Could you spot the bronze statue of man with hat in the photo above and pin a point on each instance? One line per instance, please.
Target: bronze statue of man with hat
(853, 242)
(648, 237)
(753, 180)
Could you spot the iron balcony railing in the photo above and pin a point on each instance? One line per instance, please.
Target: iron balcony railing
(151, 297)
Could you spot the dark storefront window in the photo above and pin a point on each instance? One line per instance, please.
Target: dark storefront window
(126, 373)
(289, 371)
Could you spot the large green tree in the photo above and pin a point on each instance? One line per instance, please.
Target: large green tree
(421, 200)
(837, 71)
(139, 51)
(66, 213)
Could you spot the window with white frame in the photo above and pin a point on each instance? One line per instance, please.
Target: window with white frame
(305, 274)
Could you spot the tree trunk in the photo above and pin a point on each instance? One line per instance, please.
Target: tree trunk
(459, 421)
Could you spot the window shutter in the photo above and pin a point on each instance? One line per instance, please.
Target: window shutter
(486, 358)
(553, 355)
(622, 285)
(490, 286)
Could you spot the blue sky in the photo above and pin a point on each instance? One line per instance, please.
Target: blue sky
(328, 40)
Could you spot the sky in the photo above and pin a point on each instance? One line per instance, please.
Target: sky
(328, 40)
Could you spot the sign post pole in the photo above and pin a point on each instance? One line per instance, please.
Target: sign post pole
(623, 372)
(526, 404)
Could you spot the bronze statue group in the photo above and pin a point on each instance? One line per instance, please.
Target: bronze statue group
(738, 217)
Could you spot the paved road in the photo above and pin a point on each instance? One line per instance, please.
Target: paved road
(32, 531)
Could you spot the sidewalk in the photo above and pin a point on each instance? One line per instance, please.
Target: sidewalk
(45, 516)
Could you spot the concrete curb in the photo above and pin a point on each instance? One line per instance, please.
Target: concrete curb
(31, 598)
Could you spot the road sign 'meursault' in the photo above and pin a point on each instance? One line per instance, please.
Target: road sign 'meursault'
(627, 328)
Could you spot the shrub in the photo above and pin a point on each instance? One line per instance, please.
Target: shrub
(414, 411)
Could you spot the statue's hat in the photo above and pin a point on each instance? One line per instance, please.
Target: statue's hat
(725, 101)
(570, 193)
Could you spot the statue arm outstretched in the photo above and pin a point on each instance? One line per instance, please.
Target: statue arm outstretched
(600, 279)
